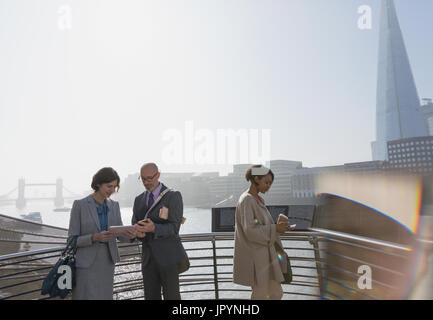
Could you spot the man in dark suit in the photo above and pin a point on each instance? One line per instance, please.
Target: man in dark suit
(157, 216)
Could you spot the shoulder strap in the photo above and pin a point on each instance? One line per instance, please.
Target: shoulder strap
(71, 246)
(162, 194)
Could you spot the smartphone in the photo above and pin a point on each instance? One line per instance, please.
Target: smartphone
(143, 221)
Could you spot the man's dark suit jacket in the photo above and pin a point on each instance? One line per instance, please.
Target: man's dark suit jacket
(164, 243)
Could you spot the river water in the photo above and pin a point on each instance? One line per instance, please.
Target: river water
(197, 220)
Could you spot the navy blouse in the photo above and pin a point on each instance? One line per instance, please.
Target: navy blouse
(102, 214)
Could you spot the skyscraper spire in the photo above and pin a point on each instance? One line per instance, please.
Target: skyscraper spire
(398, 112)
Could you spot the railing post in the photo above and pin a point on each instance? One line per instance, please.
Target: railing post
(215, 269)
(315, 244)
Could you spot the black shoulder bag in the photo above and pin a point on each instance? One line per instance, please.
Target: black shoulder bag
(285, 265)
(183, 265)
(61, 279)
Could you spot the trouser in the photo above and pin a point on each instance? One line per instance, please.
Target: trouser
(156, 277)
(270, 291)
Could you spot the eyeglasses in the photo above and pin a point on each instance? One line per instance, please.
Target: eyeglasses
(144, 179)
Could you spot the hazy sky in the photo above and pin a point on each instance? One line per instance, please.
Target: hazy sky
(86, 83)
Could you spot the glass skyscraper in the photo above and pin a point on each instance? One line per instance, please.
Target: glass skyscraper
(398, 109)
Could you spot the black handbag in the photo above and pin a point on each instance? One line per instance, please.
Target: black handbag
(54, 282)
(285, 265)
(288, 276)
(183, 265)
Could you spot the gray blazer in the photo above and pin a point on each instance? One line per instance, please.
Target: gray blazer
(164, 244)
(84, 222)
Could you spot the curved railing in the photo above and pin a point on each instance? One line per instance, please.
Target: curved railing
(325, 265)
(209, 277)
(390, 266)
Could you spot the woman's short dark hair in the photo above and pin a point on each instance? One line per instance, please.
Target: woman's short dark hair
(105, 175)
(250, 177)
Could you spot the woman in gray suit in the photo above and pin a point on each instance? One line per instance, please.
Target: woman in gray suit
(97, 250)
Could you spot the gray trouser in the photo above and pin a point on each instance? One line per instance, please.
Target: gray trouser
(156, 277)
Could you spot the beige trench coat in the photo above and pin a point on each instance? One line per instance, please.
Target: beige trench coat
(255, 259)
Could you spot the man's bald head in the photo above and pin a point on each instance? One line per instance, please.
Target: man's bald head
(150, 176)
(150, 166)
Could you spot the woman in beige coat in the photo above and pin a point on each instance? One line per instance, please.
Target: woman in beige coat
(256, 262)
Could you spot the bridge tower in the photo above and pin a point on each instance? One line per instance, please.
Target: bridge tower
(21, 200)
(58, 200)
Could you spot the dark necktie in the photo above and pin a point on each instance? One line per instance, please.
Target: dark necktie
(151, 201)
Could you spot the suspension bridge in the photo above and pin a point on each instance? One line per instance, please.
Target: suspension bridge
(21, 200)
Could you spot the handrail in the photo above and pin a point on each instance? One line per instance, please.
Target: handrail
(35, 234)
(33, 222)
(366, 240)
(30, 253)
(210, 255)
(425, 241)
(210, 265)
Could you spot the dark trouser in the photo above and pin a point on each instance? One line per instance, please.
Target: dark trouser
(156, 277)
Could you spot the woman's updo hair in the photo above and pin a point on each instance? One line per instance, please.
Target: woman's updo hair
(259, 171)
(105, 175)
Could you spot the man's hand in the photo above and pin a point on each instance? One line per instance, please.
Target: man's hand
(144, 226)
(139, 227)
(148, 225)
(130, 232)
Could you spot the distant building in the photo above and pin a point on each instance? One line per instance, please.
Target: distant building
(195, 187)
(304, 179)
(226, 190)
(411, 154)
(283, 166)
(281, 190)
(292, 183)
(427, 112)
(303, 182)
(130, 187)
(239, 170)
(398, 109)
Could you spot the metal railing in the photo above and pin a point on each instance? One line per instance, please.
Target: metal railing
(389, 266)
(324, 265)
(209, 277)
